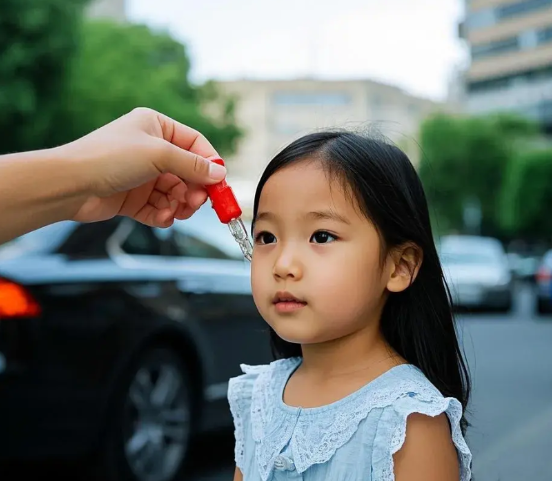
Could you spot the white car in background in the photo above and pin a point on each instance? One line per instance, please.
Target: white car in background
(477, 272)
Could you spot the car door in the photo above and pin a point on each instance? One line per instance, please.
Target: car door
(217, 284)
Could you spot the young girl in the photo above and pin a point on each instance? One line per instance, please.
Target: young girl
(370, 383)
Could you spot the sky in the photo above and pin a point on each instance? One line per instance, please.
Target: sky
(412, 44)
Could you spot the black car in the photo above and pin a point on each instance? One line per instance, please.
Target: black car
(117, 341)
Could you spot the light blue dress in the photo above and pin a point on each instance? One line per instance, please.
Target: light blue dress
(353, 439)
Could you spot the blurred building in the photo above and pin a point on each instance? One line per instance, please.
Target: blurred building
(511, 57)
(273, 113)
(115, 9)
(456, 92)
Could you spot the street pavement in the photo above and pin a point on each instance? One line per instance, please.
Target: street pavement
(510, 357)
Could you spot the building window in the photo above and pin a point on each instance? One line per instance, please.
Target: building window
(521, 8)
(375, 103)
(544, 35)
(490, 16)
(527, 77)
(481, 19)
(528, 39)
(495, 48)
(311, 98)
(284, 127)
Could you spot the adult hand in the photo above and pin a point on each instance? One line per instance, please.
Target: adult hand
(143, 165)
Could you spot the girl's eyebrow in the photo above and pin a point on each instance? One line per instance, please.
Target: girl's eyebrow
(317, 215)
(328, 215)
(264, 216)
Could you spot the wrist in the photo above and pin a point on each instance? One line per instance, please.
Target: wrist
(75, 181)
(68, 187)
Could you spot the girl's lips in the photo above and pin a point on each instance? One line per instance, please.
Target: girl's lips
(289, 306)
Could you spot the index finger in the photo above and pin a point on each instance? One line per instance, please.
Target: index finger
(185, 137)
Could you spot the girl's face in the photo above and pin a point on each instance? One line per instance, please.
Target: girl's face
(314, 247)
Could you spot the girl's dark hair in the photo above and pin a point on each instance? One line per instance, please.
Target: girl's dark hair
(418, 323)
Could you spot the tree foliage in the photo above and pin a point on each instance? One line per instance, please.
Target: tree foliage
(527, 195)
(37, 37)
(62, 77)
(464, 160)
(120, 67)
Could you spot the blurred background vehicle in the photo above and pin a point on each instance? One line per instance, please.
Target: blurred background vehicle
(524, 267)
(118, 341)
(544, 284)
(477, 271)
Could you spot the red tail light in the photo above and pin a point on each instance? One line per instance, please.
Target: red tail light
(16, 301)
(543, 274)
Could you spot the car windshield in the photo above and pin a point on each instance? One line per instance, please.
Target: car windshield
(468, 250)
(469, 258)
(205, 226)
(547, 259)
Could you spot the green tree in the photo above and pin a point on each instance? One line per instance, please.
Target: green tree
(464, 160)
(36, 39)
(527, 195)
(120, 67)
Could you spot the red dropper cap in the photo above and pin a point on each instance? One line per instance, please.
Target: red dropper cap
(223, 199)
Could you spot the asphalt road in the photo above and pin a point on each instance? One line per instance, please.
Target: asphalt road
(510, 357)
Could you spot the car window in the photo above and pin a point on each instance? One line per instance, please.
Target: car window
(142, 241)
(547, 259)
(200, 236)
(187, 245)
(203, 235)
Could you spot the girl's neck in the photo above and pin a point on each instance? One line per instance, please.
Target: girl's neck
(349, 355)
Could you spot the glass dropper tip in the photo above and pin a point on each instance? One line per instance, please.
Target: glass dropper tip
(239, 232)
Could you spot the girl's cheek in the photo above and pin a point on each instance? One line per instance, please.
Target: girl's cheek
(256, 279)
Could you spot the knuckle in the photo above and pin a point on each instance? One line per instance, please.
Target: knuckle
(200, 166)
(161, 152)
(143, 111)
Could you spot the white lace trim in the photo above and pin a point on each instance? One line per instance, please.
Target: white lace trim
(453, 409)
(315, 439)
(239, 399)
(235, 400)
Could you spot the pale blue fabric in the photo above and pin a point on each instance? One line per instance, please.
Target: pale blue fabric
(353, 439)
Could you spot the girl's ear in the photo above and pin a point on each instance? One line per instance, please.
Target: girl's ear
(405, 261)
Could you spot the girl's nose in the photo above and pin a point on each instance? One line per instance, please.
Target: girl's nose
(287, 265)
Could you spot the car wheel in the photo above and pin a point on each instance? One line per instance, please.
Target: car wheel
(544, 306)
(150, 427)
(508, 306)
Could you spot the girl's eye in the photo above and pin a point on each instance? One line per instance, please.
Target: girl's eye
(322, 237)
(265, 238)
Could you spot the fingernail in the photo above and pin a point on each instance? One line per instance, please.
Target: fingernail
(174, 204)
(217, 172)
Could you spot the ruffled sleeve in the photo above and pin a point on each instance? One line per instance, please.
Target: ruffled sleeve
(391, 431)
(240, 391)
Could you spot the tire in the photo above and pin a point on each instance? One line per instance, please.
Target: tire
(150, 426)
(508, 306)
(544, 306)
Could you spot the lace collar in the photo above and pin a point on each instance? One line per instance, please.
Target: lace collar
(314, 434)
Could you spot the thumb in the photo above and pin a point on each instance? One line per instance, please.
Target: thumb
(192, 167)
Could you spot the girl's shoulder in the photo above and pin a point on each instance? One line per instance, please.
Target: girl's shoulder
(403, 391)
